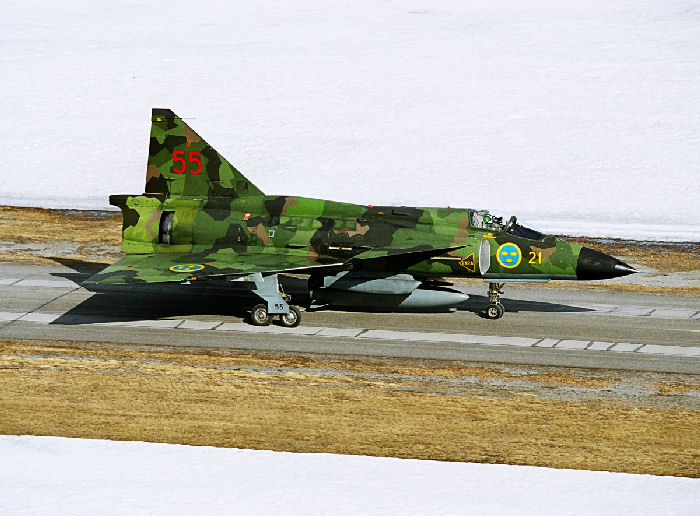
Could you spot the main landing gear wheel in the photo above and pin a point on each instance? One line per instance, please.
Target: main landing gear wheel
(495, 311)
(292, 319)
(259, 315)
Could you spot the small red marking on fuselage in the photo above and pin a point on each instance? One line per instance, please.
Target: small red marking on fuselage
(246, 216)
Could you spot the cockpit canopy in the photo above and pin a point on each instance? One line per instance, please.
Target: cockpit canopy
(482, 219)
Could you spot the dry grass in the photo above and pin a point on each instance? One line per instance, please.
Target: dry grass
(628, 287)
(40, 260)
(260, 402)
(673, 388)
(26, 225)
(662, 257)
(372, 365)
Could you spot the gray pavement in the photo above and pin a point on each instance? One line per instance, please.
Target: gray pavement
(543, 325)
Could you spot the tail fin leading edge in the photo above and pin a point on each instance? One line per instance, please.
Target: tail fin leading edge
(181, 163)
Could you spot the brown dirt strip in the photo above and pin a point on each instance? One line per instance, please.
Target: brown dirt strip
(381, 407)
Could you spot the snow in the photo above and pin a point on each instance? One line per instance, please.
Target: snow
(61, 476)
(579, 117)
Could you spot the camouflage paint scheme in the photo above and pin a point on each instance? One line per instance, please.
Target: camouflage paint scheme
(223, 222)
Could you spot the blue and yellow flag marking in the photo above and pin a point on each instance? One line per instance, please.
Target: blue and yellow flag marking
(509, 255)
(187, 267)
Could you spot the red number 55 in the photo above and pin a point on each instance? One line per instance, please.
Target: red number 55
(192, 157)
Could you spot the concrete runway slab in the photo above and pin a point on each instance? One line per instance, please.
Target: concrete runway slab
(542, 325)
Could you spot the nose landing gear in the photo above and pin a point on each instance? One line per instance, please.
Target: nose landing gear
(495, 309)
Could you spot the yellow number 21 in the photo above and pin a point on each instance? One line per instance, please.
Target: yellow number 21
(535, 257)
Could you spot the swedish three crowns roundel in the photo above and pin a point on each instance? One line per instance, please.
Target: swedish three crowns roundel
(509, 255)
(187, 267)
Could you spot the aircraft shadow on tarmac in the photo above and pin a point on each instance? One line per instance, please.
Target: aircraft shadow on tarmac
(125, 303)
(477, 304)
(82, 270)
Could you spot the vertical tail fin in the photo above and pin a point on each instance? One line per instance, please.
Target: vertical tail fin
(181, 163)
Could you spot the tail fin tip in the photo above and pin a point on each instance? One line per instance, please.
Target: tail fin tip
(182, 163)
(163, 112)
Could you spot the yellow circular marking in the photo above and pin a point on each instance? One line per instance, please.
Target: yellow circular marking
(187, 267)
(509, 255)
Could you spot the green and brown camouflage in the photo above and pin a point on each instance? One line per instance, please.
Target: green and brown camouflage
(199, 210)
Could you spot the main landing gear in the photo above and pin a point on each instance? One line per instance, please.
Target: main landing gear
(276, 303)
(495, 309)
(259, 316)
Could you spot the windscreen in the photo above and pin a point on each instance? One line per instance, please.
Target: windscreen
(520, 230)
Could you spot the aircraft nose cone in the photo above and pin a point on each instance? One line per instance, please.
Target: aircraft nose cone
(594, 265)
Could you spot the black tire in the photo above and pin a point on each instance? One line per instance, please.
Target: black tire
(495, 311)
(292, 319)
(259, 316)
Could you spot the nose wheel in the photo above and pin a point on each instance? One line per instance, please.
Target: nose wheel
(495, 309)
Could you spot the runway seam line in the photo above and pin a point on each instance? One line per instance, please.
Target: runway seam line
(42, 306)
(384, 335)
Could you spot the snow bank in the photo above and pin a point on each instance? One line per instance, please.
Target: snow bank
(582, 116)
(55, 475)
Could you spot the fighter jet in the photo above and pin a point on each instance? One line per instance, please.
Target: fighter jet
(200, 219)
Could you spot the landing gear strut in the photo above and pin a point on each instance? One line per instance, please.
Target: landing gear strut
(276, 303)
(495, 309)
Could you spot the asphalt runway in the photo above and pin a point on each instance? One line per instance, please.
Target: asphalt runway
(543, 325)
